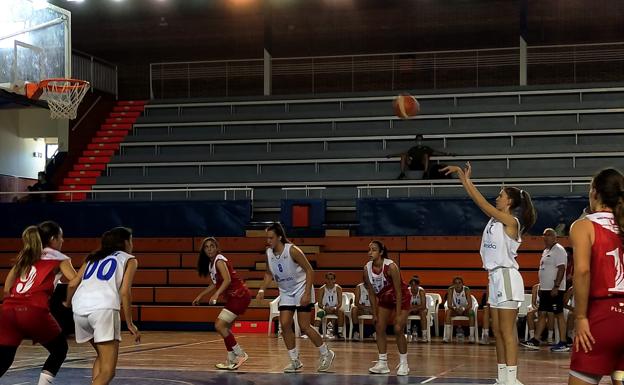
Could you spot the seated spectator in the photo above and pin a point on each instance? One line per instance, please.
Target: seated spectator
(42, 185)
(331, 301)
(419, 307)
(459, 304)
(417, 159)
(361, 306)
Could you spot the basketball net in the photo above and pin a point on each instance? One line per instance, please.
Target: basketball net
(63, 96)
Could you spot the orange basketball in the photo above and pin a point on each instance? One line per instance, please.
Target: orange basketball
(406, 106)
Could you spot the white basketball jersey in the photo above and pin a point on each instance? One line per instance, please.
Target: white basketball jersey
(213, 267)
(416, 296)
(497, 248)
(290, 277)
(364, 298)
(379, 281)
(55, 255)
(330, 296)
(99, 289)
(459, 299)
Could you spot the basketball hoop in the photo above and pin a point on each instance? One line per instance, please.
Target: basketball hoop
(63, 96)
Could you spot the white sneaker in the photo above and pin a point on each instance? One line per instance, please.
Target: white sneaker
(471, 340)
(403, 369)
(325, 361)
(445, 340)
(294, 366)
(381, 367)
(239, 360)
(424, 339)
(356, 336)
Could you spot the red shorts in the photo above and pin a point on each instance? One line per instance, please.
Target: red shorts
(25, 322)
(238, 301)
(606, 317)
(387, 299)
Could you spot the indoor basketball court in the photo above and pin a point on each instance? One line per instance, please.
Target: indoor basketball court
(189, 358)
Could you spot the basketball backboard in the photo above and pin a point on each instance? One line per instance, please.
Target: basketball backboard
(35, 43)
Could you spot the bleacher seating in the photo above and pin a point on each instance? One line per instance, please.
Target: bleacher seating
(546, 140)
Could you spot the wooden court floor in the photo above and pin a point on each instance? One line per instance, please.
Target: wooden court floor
(183, 358)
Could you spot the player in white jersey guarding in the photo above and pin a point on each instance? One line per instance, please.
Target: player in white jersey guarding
(104, 286)
(331, 301)
(292, 271)
(512, 216)
(459, 302)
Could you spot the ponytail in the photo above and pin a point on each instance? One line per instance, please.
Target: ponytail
(31, 251)
(522, 208)
(609, 186)
(113, 240)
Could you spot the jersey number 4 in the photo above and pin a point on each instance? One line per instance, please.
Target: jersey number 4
(105, 269)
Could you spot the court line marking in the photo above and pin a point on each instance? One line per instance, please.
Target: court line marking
(91, 354)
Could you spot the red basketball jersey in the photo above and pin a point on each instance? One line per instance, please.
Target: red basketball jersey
(607, 259)
(35, 287)
(237, 286)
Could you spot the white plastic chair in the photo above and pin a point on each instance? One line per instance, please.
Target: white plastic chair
(475, 308)
(274, 312)
(346, 307)
(347, 302)
(437, 298)
(431, 308)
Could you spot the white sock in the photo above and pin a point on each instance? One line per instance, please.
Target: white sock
(502, 373)
(448, 332)
(486, 333)
(512, 375)
(531, 333)
(323, 349)
(403, 358)
(425, 333)
(339, 329)
(231, 355)
(45, 379)
(550, 334)
(237, 350)
(383, 357)
(472, 332)
(293, 354)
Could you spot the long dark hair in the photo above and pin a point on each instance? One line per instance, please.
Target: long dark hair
(522, 207)
(382, 248)
(112, 240)
(609, 185)
(31, 251)
(203, 260)
(278, 229)
(47, 231)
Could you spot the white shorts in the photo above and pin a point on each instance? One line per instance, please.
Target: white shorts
(99, 326)
(294, 299)
(505, 284)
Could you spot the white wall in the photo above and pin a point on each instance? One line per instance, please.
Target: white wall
(18, 128)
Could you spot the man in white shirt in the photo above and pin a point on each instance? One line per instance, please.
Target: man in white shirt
(552, 289)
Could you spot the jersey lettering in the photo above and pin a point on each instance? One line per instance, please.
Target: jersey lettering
(26, 281)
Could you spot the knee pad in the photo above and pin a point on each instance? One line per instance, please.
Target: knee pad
(227, 316)
(589, 378)
(58, 351)
(618, 375)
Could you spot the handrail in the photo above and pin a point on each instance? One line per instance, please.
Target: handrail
(372, 138)
(381, 118)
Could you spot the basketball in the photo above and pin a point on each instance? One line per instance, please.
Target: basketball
(406, 106)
